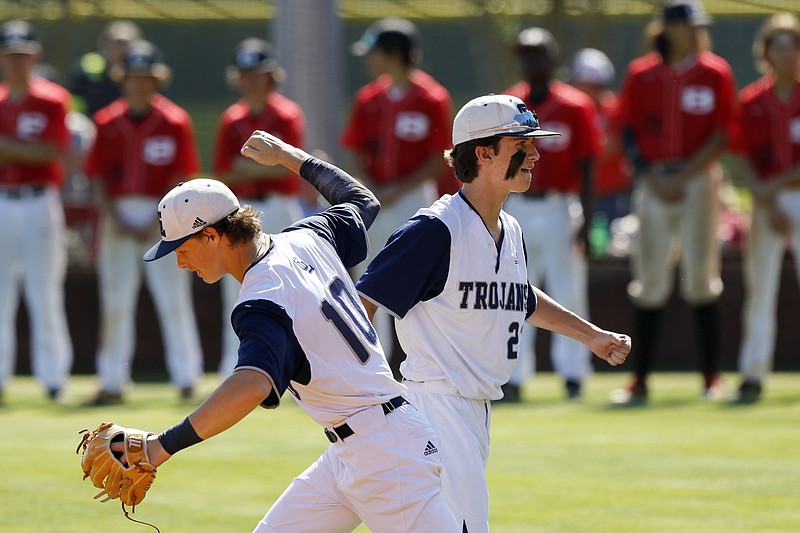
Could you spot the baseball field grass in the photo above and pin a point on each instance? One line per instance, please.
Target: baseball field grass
(679, 464)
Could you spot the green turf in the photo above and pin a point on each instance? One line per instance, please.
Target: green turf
(678, 465)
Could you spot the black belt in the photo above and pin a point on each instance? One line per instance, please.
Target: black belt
(21, 191)
(344, 431)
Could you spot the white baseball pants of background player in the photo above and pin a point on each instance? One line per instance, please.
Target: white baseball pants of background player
(277, 212)
(120, 267)
(35, 254)
(763, 260)
(686, 229)
(387, 474)
(390, 218)
(549, 226)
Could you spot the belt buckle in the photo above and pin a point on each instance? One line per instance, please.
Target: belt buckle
(331, 435)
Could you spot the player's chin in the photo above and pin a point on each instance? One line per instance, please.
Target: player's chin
(522, 180)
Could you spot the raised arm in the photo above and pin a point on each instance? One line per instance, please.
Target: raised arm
(334, 184)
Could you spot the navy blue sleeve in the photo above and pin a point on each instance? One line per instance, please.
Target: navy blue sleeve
(267, 342)
(411, 268)
(343, 228)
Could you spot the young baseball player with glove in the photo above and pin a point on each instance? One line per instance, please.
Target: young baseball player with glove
(302, 328)
(455, 279)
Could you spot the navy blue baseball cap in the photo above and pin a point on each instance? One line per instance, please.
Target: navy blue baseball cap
(685, 11)
(392, 34)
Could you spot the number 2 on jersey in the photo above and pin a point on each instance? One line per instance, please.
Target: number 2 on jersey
(513, 341)
(347, 315)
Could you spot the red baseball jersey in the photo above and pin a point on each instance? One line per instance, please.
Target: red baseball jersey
(613, 168)
(39, 117)
(146, 156)
(572, 113)
(673, 113)
(768, 131)
(396, 136)
(282, 118)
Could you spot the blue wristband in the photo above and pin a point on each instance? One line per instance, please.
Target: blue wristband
(180, 436)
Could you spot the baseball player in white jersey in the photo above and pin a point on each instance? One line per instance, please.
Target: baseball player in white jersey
(301, 327)
(455, 279)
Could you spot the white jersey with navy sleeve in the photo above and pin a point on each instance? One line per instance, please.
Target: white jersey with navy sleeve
(460, 300)
(301, 323)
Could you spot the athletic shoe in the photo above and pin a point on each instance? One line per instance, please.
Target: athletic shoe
(103, 398)
(749, 392)
(573, 389)
(713, 390)
(187, 393)
(56, 395)
(634, 394)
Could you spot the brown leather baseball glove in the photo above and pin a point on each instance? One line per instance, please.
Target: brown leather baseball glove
(125, 475)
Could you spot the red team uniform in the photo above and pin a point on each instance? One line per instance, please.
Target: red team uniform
(281, 117)
(277, 199)
(32, 217)
(550, 213)
(613, 168)
(769, 138)
(671, 112)
(396, 136)
(138, 160)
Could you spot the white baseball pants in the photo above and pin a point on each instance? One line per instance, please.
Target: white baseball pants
(387, 475)
(120, 268)
(277, 212)
(686, 229)
(763, 259)
(35, 255)
(549, 226)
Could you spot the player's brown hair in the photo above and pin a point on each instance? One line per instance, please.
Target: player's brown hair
(241, 226)
(463, 160)
(656, 39)
(777, 24)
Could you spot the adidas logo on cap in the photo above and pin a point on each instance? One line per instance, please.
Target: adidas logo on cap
(430, 449)
(198, 223)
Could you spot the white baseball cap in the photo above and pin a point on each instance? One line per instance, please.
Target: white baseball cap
(592, 66)
(496, 115)
(188, 208)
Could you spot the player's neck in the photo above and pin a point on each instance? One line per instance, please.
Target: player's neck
(785, 85)
(246, 255)
(487, 203)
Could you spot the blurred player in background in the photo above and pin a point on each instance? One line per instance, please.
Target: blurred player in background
(274, 191)
(455, 279)
(592, 72)
(677, 106)
(554, 212)
(90, 77)
(398, 128)
(33, 137)
(302, 329)
(768, 149)
(145, 145)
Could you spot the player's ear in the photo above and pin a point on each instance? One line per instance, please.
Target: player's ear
(483, 153)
